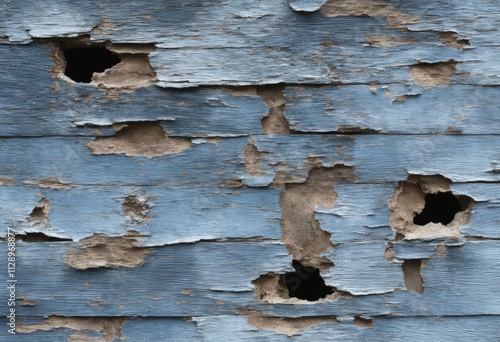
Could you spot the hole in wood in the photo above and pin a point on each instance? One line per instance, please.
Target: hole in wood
(306, 283)
(39, 237)
(439, 208)
(82, 63)
(425, 207)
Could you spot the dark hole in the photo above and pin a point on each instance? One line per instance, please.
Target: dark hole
(439, 208)
(306, 283)
(39, 237)
(81, 63)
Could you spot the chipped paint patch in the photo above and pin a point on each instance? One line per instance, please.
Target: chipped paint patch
(302, 235)
(6, 181)
(451, 39)
(413, 277)
(38, 216)
(187, 292)
(252, 160)
(271, 288)
(388, 40)
(136, 207)
(369, 8)
(275, 122)
(433, 74)
(51, 183)
(131, 71)
(146, 139)
(282, 325)
(25, 301)
(101, 250)
(363, 322)
(109, 327)
(240, 91)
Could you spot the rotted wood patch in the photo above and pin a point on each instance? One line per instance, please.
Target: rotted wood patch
(306, 170)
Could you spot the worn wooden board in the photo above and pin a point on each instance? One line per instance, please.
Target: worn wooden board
(169, 216)
(38, 109)
(203, 213)
(69, 160)
(229, 327)
(267, 38)
(217, 278)
(165, 243)
(393, 109)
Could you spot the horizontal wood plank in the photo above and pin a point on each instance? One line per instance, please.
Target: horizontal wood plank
(242, 43)
(70, 160)
(216, 278)
(231, 327)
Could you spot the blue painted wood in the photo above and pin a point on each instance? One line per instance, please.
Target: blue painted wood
(205, 213)
(223, 272)
(230, 327)
(361, 58)
(267, 39)
(36, 110)
(421, 329)
(361, 269)
(394, 109)
(362, 213)
(69, 160)
(381, 158)
(219, 275)
(33, 108)
(176, 215)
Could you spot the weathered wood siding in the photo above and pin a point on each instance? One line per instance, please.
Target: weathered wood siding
(164, 200)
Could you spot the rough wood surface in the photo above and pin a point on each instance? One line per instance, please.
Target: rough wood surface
(166, 199)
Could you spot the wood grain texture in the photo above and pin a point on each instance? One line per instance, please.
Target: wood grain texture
(152, 212)
(267, 38)
(218, 278)
(171, 216)
(229, 327)
(70, 160)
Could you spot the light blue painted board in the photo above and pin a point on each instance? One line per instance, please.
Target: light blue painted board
(69, 160)
(361, 269)
(231, 327)
(265, 39)
(461, 283)
(204, 213)
(31, 108)
(361, 213)
(383, 158)
(210, 270)
(161, 21)
(422, 329)
(466, 109)
(176, 215)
